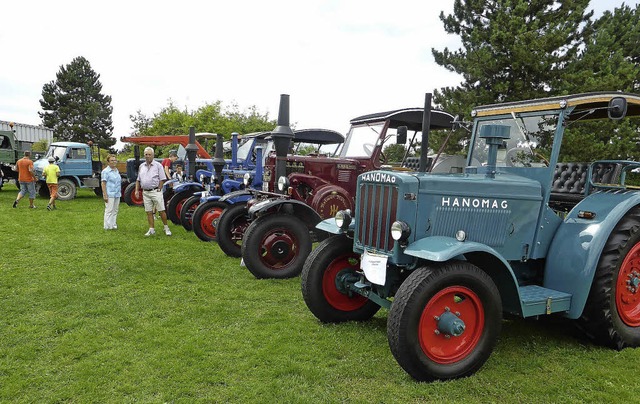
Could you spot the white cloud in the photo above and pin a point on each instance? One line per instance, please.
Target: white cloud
(337, 59)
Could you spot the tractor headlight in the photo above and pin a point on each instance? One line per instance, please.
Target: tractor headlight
(283, 183)
(343, 219)
(246, 179)
(400, 231)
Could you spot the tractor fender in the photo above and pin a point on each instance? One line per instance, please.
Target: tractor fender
(290, 206)
(441, 249)
(186, 186)
(578, 243)
(237, 196)
(209, 198)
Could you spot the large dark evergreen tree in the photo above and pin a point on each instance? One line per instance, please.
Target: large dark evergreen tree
(511, 50)
(74, 106)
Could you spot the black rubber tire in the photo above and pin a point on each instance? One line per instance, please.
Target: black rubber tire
(334, 256)
(232, 224)
(175, 205)
(205, 219)
(601, 318)
(186, 213)
(454, 287)
(66, 190)
(264, 262)
(129, 196)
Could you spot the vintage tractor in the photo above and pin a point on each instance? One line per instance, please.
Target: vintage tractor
(282, 226)
(517, 232)
(315, 143)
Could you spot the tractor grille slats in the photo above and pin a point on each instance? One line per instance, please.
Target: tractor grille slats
(377, 209)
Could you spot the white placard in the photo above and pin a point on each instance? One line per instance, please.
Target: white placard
(374, 267)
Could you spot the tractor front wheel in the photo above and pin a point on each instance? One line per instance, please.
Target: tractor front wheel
(205, 219)
(444, 321)
(324, 283)
(130, 197)
(175, 205)
(611, 316)
(231, 228)
(276, 246)
(186, 213)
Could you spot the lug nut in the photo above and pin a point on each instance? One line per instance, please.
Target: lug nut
(437, 332)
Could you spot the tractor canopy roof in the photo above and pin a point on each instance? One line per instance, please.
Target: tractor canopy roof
(410, 117)
(595, 104)
(317, 136)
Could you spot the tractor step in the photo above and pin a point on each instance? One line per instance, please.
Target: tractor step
(537, 300)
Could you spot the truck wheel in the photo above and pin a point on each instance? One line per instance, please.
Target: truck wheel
(130, 197)
(611, 316)
(232, 225)
(186, 213)
(205, 219)
(444, 321)
(276, 246)
(175, 205)
(325, 296)
(66, 190)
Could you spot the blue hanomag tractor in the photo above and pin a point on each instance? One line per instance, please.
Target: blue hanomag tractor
(517, 232)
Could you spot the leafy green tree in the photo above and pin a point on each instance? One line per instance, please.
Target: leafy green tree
(609, 61)
(74, 106)
(394, 153)
(511, 50)
(211, 117)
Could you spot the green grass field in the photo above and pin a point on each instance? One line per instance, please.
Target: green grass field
(89, 315)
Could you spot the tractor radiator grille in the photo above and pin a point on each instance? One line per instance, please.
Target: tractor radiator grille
(376, 211)
(488, 226)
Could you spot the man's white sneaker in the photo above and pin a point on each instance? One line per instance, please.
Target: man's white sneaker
(151, 232)
(167, 231)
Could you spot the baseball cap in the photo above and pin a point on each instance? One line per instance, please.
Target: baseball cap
(51, 159)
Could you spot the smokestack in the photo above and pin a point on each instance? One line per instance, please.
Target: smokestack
(218, 159)
(192, 149)
(282, 136)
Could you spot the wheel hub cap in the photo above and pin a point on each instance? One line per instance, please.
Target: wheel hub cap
(280, 249)
(450, 324)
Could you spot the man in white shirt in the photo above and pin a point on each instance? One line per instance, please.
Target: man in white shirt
(151, 177)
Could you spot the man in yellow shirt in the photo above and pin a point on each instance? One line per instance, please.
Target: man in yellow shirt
(51, 173)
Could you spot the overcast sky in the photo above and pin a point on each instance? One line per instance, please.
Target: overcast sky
(336, 59)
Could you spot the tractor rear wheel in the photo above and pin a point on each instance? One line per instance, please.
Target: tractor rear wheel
(186, 213)
(276, 246)
(444, 321)
(130, 197)
(205, 219)
(175, 205)
(66, 190)
(611, 316)
(231, 228)
(322, 286)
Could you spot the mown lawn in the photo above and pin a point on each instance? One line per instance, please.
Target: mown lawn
(88, 315)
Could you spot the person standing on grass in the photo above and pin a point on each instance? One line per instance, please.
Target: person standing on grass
(111, 183)
(151, 177)
(51, 174)
(27, 179)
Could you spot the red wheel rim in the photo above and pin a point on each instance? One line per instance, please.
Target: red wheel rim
(137, 200)
(278, 248)
(628, 288)
(210, 221)
(190, 210)
(238, 227)
(179, 206)
(440, 348)
(336, 298)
